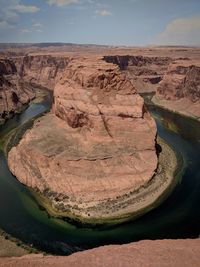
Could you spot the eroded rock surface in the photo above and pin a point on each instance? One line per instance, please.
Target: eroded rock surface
(145, 72)
(14, 91)
(97, 146)
(175, 80)
(41, 69)
(181, 80)
(159, 253)
(180, 88)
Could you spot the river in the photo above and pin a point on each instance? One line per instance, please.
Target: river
(177, 217)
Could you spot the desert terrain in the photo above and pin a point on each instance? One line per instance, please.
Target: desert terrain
(95, 156)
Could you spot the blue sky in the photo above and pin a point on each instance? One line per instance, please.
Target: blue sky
(114, 22)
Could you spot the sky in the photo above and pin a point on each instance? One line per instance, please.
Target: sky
(114, 22)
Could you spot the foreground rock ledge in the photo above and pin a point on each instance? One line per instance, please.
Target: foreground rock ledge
(96, 147)
(159, 253)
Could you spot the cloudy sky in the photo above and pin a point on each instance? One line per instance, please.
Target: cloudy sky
(113, 22)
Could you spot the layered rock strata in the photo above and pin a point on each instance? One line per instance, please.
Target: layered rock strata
(14, 91)
(41, 70)
(97, 146)
(145, 72)
(180, 88)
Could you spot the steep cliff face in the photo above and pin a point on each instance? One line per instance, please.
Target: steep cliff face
(97, 148)
(41, 69)
(14, 92)
(181, 81)
(98, 88)
(145, 72)
(124, 62)
(180, 88)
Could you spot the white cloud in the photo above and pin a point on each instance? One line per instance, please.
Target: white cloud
(61, 3)
(25, 30)
(29, 30)
(38, 30)
(37, 25)
(10, 12)
(104, 12)
(182, 31)
(25, 8)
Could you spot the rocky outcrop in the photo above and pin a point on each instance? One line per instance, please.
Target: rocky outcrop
(96, 148)
(159, 253)
(181, 81)
(124, 62)
(180, 88)
(14, 92)
(41, 70)
(145, 72)
(21, 74)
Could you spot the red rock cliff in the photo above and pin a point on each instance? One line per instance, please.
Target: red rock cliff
(145, 71)
(41, 69)
(14, 92)
(181, 81)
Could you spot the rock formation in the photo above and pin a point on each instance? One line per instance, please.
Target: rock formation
(159, 253)
(41, 70)
(145, 72)
(181, 80)
(180, 88)
(96, 147)
(14, 92)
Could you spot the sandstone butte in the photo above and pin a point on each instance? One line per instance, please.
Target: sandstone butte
(96, 146)
(159, 253)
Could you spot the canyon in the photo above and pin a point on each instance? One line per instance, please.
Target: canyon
(14, 92)
(77, 156)
(96, 155)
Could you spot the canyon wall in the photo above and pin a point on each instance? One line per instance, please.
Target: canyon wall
(181, 80)
(180, 88)
(14, 92)
(21, 75)
(145, 72)
(175, 80)
(41, 70)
